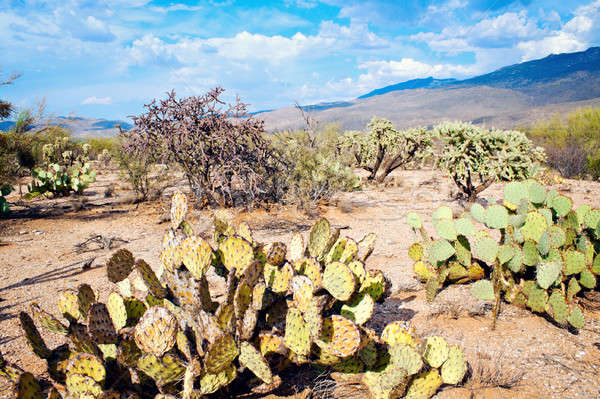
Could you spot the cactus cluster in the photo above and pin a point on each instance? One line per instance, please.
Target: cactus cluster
(546, 254)
(169, 333)
(65, 172)
(477, 157)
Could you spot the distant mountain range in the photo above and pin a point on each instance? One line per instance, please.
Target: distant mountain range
(80, 127)
(511, 96)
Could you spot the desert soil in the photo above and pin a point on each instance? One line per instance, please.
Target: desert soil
(525, 357)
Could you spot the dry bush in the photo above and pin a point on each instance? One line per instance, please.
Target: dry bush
(569, 159)
(492, 370)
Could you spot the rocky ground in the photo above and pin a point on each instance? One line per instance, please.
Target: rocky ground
(525, 357)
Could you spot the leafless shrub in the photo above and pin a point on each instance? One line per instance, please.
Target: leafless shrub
(492, 370)
(569, 159)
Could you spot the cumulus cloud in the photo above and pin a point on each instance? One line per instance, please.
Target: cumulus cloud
(97, 100)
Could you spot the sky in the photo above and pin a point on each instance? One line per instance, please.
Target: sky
(107, 58)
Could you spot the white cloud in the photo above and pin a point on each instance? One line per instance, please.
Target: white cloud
(97, 100)
(175, 7)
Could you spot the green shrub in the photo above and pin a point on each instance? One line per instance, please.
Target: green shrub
(384, 149)
(476, 157)
(315, 169)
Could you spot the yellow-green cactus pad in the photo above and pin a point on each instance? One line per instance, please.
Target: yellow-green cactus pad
(415, 251)
(278, 279)
(150, 279)
(398, 332)
(302, 289)
(359, 271)
(85, 298)
(135, 310)
(79, 385)
(100, 325)
(220, 354)
(359, 308)
(340, 336)
(117, 311)
(425, 385)
(436, 351)
(212, 382)
(535, 225)
(48, 321)
(318, 238)
(275, 253)
(156, 331)
(406, 357)
(197, 256)
(455, 367)
(120, 265)
(27, 387)
(163, 370)
(374, 284)
(311, 269)
(251, 358)
(423, 270)
(339, 281)
(297, 332)
(350, 251)
(296, 248)
(179, 208)
(87, 364)
(236, 253)
(335, 252)
(269, 342)
(350, 365)
(244, 231)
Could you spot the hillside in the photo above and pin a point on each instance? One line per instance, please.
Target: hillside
(80, 127)
(512, 96)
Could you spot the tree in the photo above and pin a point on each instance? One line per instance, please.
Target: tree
(384, 149)
(222, 149)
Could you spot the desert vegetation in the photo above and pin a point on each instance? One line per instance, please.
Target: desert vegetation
(223, 310)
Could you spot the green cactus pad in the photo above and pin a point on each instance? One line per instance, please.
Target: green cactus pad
(156, 331)
(251, 358)
(340, 336)
(349, 365)
(591, 219)
(339, 281)
(179, 209)
(547, 273)
(572, 289)
(537, 193)
(150, 279)
(100, 325)
(374, 284)
(463, 251)
(211, 383)
(537, 299)
(358, 269)
(436, 351)
(220, 354)
(424, 385)
(366, 246)
(483, 289)
(34, 339)
(562, 205)
(514, 192)
(557, 307)
(478, 212)
(120, 265)
(486, 249)
(359, 308)
(296, 248)
(27, 387)
(350, 251)
(496, 217)
(464, 226)
(163, 370)
(457, 272)
(543, 245)
(534, 227)
(454, 369)
(335, 252)
(574, 262)
(197, 256)
(442, 213)
(368, 354)
(440, 251)
(530, 253)
(318, 238)
(79, 385)
(85, 298)
(48, 321)
(576, 318)
(587, 279)
(445, 229)
(297, 332)
(414, 220)
(135, 310)
(557, 236)
(236, 253)
(506, 252)
(87, 364)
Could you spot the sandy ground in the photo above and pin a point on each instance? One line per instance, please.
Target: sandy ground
(525, 357)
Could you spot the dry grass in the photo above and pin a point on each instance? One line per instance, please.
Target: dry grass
(492, 370)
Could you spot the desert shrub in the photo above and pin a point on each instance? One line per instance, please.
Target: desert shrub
(100, 146)
(167, 333)
(313, 168)
(221, 149)
(476, 157)
(383, 149)
(572, 143)
(545, 258)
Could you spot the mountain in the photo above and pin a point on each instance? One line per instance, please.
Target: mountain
(515, 95)
(80, 127)
(427, 83)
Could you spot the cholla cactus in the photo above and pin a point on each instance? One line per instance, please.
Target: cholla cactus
(282, 306)
(383, 148)
(545, 257)
(476, 157)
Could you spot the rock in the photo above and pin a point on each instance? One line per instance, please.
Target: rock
(454, 393)
(458, 299)
(407, 284)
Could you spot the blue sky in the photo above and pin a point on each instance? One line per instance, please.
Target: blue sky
(107, 58)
